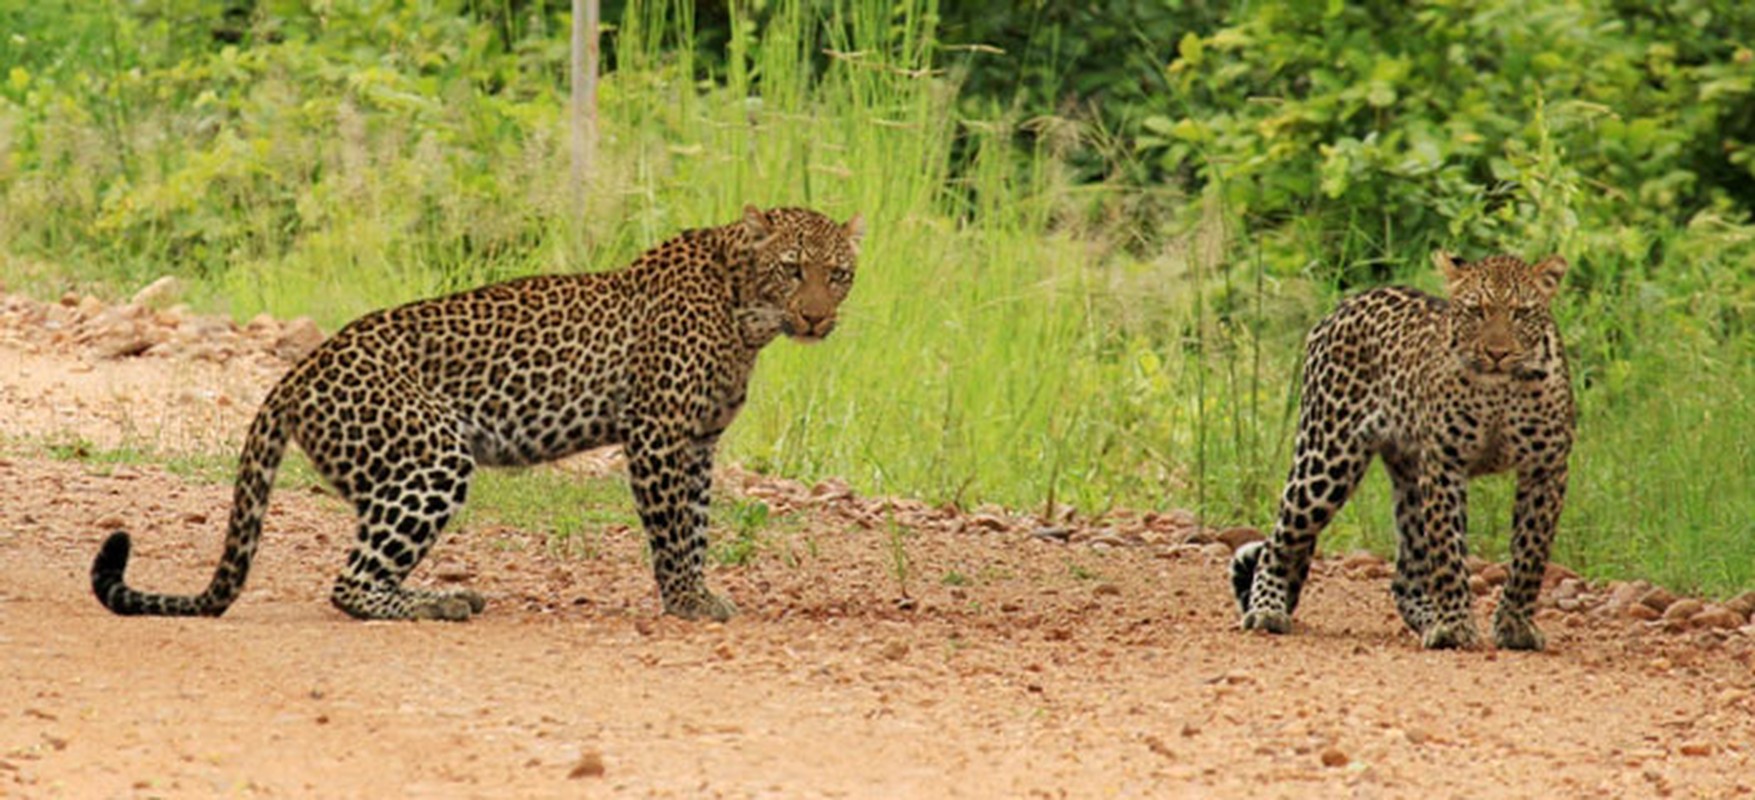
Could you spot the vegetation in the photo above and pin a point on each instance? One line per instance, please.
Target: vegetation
(1094, 250)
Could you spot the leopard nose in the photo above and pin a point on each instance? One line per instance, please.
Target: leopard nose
(816, 322)
(1497, 353)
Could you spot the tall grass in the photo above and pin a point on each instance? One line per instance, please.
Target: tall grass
(1006, 341)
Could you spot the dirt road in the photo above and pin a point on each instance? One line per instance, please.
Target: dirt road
(1103, 664)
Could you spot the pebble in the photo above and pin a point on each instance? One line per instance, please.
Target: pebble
(1658, 598)
(1052, 533)
(1743, 604)
(1684, 609)
(1495, 574)
(1334, 757)
(590, 765)
(298, 339)
(1239, 536)
(1715, 616)
(991, 522)
(161, 292)
(1643, 612)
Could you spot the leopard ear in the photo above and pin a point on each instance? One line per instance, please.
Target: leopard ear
(756, 223)
(1548, 274)
(1447, 264)
(855, 229)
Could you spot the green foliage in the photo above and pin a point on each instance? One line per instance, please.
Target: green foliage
(1377, 130)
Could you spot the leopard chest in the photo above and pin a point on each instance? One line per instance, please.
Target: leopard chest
(1485, 426)
(728, 391)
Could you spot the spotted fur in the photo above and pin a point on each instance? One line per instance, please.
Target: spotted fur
(1442, 391)
(398, 409)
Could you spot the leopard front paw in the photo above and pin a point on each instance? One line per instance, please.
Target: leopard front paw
(1517, 632)
(701, 605)
(1270, 621)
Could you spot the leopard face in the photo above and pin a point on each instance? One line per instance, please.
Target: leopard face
(1499, 316)
(803, 264)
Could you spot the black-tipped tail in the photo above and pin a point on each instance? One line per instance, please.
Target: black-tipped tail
(113, 592)
(106, 573)
(1243, 565)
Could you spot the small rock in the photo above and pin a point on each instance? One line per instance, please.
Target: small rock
(1199, 536)
(991, 522)
(298, 339)
(1743, 604)
(1495, 574)
(1474, 564)
(118, 338)
(111, 523)
(1052, 533)
(1658, 598)
(1643, 612)
(262, 325)
(1479, 586)
(453, 572)
(1334, 757)
(1108, 538)
(1555, 573)
(1359, 560)
(590, 765)
(895, 650)
(1239, 536)
(1684, 609)
(1697, 749)
(159, 293)
(1106, 590)
(1715, 616)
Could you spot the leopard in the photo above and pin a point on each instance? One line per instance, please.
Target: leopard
(1442, 391)
(398, 408)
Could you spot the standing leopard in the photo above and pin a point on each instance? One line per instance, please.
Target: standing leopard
(398, 408)
(1443, 392)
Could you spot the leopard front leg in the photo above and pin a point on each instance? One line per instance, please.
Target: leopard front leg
(1444, 500)
(1540, 494)
(672, 475)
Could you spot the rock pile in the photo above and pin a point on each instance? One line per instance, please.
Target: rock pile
(151, 324)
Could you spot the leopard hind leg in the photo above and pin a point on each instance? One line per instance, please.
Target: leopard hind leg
(1413, 566)
(407, 481)
(1323, 476)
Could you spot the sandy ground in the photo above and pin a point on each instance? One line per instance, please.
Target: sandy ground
(998, 663)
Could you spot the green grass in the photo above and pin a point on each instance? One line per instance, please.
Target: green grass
(1012, 336)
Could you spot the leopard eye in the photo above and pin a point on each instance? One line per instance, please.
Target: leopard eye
(840, 275)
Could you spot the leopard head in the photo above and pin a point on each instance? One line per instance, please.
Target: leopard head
(1500, 323)
(803, 265)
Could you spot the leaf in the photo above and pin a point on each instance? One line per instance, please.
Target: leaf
(1190, 49)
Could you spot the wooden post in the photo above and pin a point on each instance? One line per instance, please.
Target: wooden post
(584, 97)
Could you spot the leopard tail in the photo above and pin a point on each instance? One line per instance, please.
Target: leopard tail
(263, 449)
